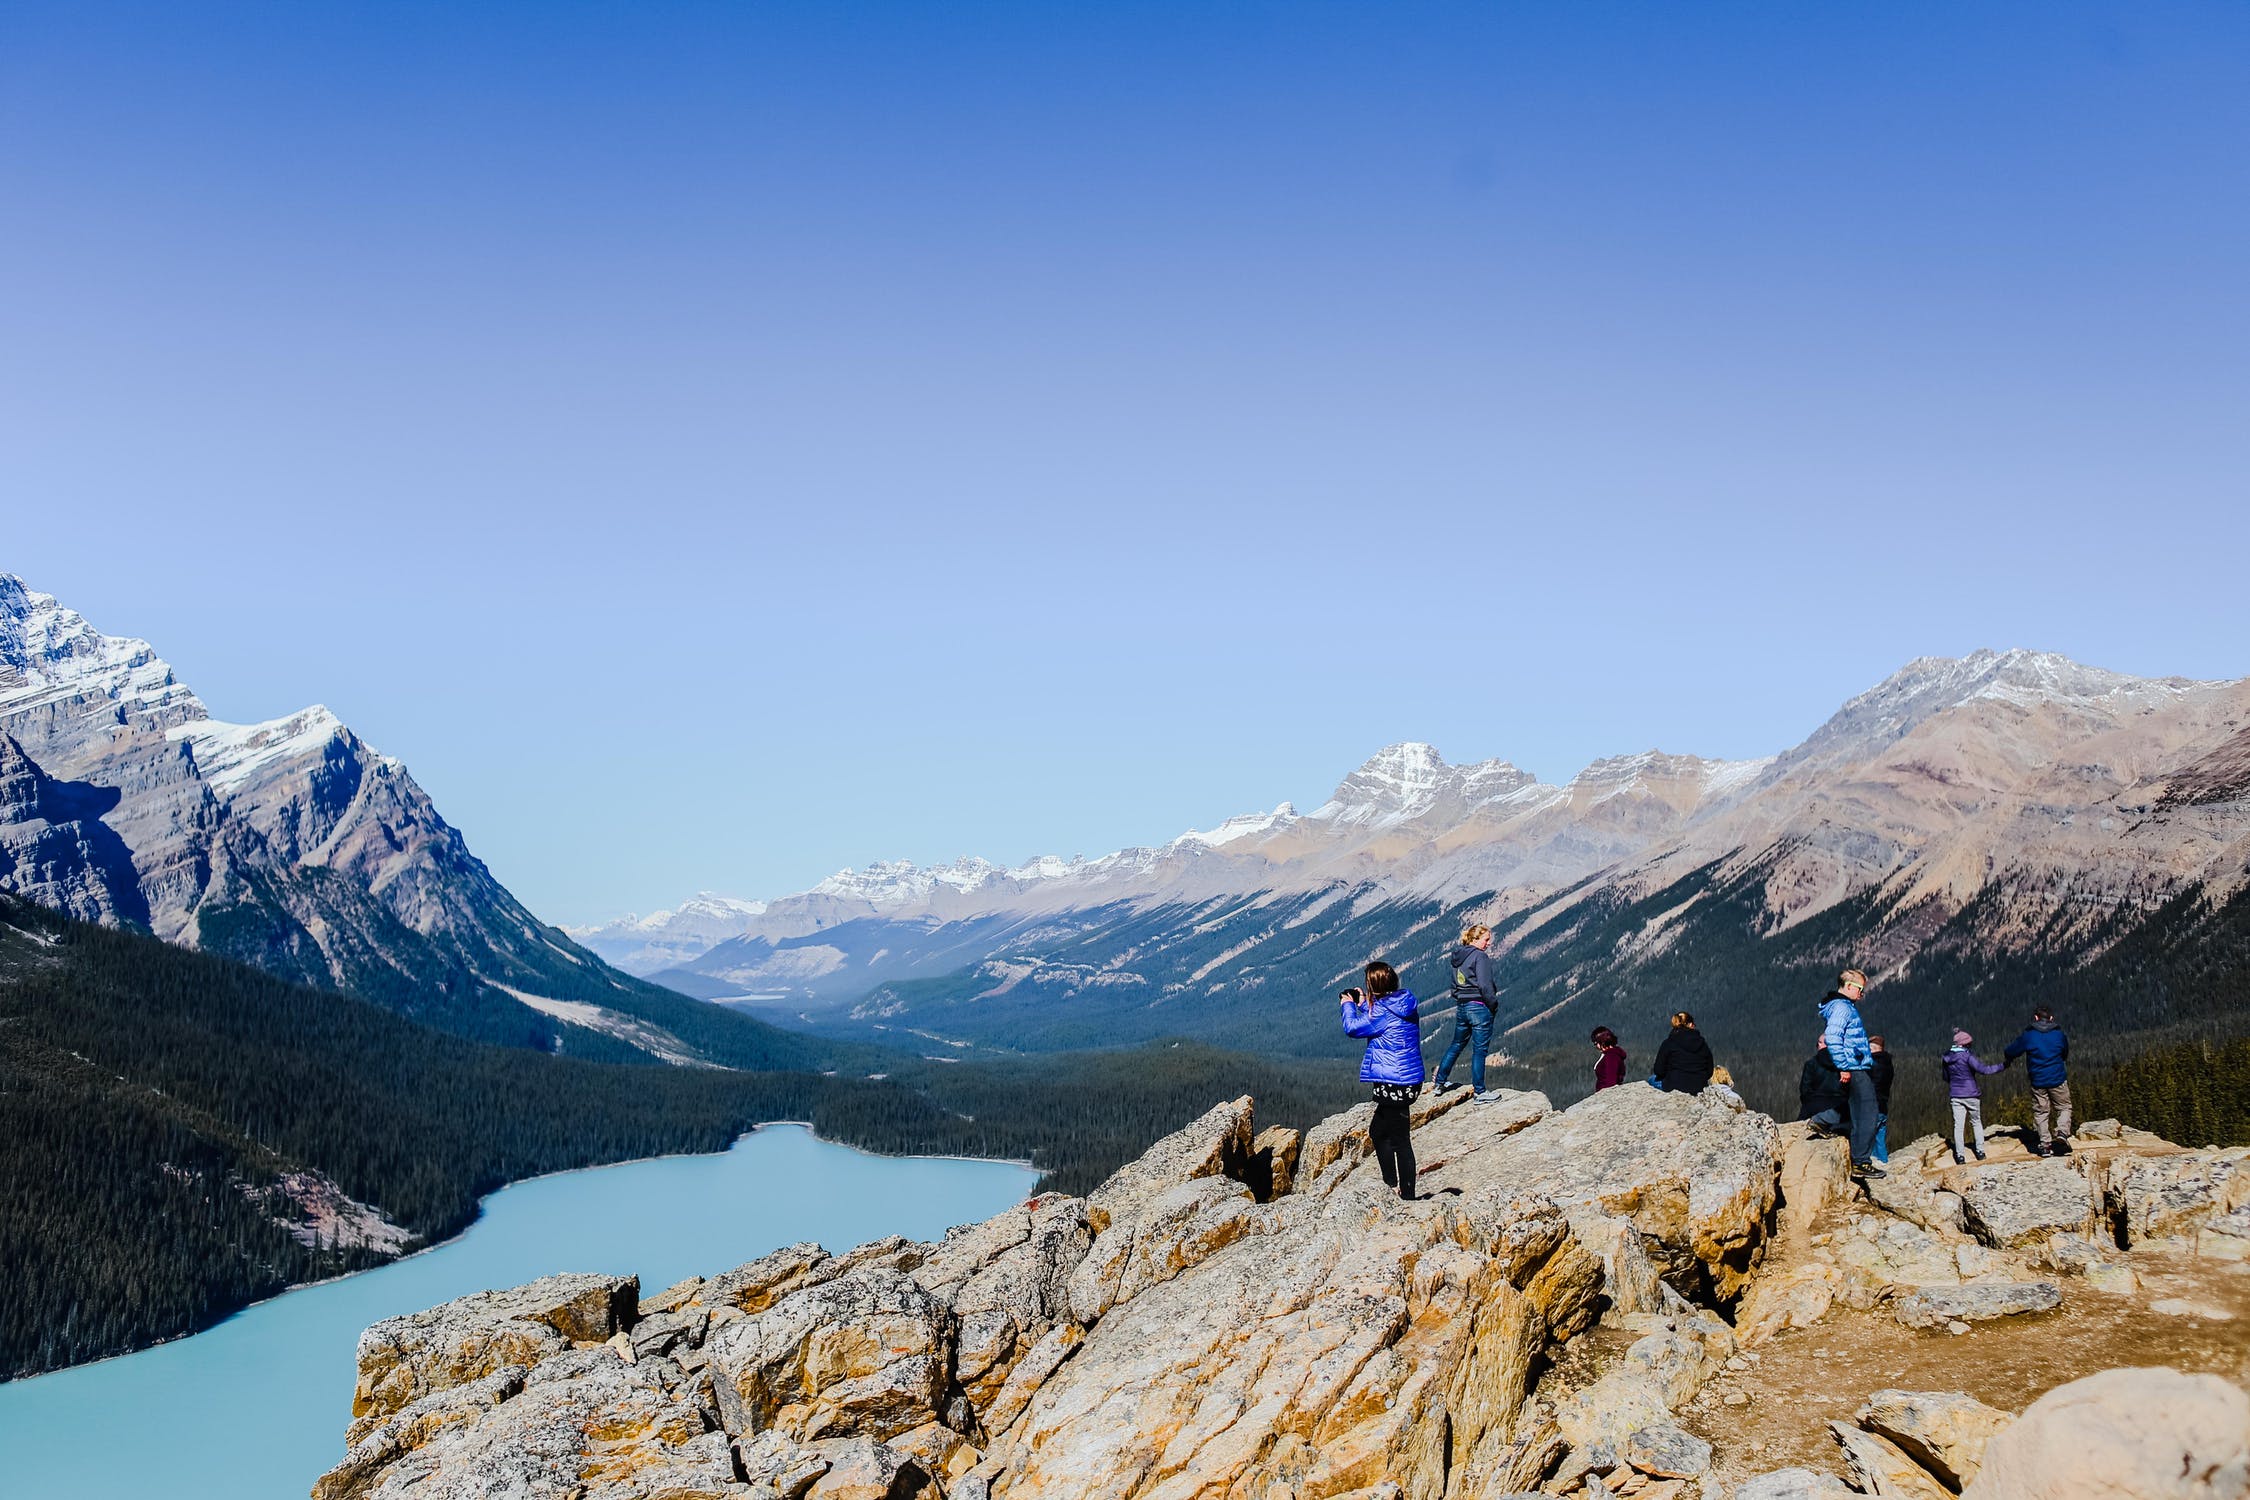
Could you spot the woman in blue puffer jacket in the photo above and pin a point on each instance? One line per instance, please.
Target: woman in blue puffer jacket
(1391, 1020)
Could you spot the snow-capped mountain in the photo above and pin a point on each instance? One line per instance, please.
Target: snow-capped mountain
(1405, 818)
(2077, 792)
(290, 844)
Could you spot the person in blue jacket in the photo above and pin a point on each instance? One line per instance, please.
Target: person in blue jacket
(1845, 1035)
(2046, 1053)
(1391, 1020)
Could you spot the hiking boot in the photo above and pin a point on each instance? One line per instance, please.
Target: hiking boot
(1980, 1156)
(1961, 1161)
(1867, 1169)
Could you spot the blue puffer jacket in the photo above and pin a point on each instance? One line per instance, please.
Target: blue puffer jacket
(1392, 1025)
(1845, 1034)
(2046, 1049)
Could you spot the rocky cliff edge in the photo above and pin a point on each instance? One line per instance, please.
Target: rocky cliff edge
(1252, 1314)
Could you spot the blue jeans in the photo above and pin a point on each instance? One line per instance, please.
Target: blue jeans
(1866, 1119)
(1883, 1140)
(1472, 1028)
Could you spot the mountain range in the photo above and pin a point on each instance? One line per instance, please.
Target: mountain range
(2054, 804)
(1963, 829)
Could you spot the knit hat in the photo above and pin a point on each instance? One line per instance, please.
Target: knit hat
(1962, 1039)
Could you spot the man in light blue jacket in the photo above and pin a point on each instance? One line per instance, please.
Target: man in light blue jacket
(1845, 1036)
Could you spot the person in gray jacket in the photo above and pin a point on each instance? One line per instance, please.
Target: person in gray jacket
(1474, 990)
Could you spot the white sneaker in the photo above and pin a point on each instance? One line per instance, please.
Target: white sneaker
(1490, 1096)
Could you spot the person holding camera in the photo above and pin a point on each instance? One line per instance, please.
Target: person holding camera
(1391, 1020)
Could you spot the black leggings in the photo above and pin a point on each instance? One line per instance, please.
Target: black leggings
(1391, 1133)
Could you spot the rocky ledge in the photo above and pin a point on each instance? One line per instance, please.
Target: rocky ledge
(1245, 1313)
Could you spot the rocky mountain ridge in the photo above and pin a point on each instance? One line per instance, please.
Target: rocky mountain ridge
(290, 844)
(2015, 806)
(1569, 1307)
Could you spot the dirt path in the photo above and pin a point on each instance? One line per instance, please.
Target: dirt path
(1773, 1411)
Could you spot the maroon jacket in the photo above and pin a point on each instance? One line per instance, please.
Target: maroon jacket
(1610, 1071)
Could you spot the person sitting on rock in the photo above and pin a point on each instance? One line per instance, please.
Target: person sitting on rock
(2046, 1053)
(1391, 1020)
(1683, 1060)
(1609, 1069)
(1846, 1036)
(1820, 1093)
(1961, 1068)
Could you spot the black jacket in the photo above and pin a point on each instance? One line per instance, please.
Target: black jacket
(1683, 1062)
(1819, 1088)
(1880, 1071)
(1472, 975)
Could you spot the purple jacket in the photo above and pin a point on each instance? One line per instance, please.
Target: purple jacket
(1392, 1025)
(1961, 1069)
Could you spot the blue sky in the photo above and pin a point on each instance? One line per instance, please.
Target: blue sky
(714, 444)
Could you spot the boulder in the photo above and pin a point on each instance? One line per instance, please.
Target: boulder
(2170, 1199)
(1878, 1467)
(583, 1423)
(1341, 1346)
(1273, 1157)
(1943, 1431)
(1179, 1227)
(1339, 1138)
(1629, 1278)
(1694, 1176)
(757, 1285)
(2133, 1434)
(860, 1470)
(2011, 1205)
(1794, 1298)
(866, 1355)
(1974, 1302)
(405, 1358)
(1815, 1172)
(1215, 1144)
(1666, 1452)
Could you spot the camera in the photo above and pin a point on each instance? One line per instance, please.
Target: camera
(1352, 996)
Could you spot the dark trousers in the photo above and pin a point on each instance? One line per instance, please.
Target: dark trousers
(1472, 1028)
(1391, 1133)
(1866, 1118)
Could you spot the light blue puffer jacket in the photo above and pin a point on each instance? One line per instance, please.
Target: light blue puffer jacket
(1845, 1034)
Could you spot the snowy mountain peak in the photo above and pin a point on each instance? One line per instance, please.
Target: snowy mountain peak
(49, 654)
(1246, 825)
(1931, 685)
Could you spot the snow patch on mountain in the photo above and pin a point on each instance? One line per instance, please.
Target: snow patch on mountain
(231, 756)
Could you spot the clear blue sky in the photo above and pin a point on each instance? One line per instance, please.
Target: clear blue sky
(716, 443)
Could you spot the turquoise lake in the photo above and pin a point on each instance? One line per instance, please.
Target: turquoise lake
(254, 1409)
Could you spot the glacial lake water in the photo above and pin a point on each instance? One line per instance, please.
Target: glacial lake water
(254, 1409)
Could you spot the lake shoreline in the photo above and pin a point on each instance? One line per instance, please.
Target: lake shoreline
(478, 1218)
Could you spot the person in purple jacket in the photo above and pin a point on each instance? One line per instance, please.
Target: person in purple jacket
(1391, 1020)
(1961, 1067)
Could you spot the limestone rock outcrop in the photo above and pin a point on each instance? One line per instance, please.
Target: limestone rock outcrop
(1245, 1313)
(2134, 1434)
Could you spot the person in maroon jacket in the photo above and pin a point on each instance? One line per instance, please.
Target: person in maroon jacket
(1610, 1071)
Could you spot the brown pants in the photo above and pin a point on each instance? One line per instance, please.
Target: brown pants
(2055, 1102)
